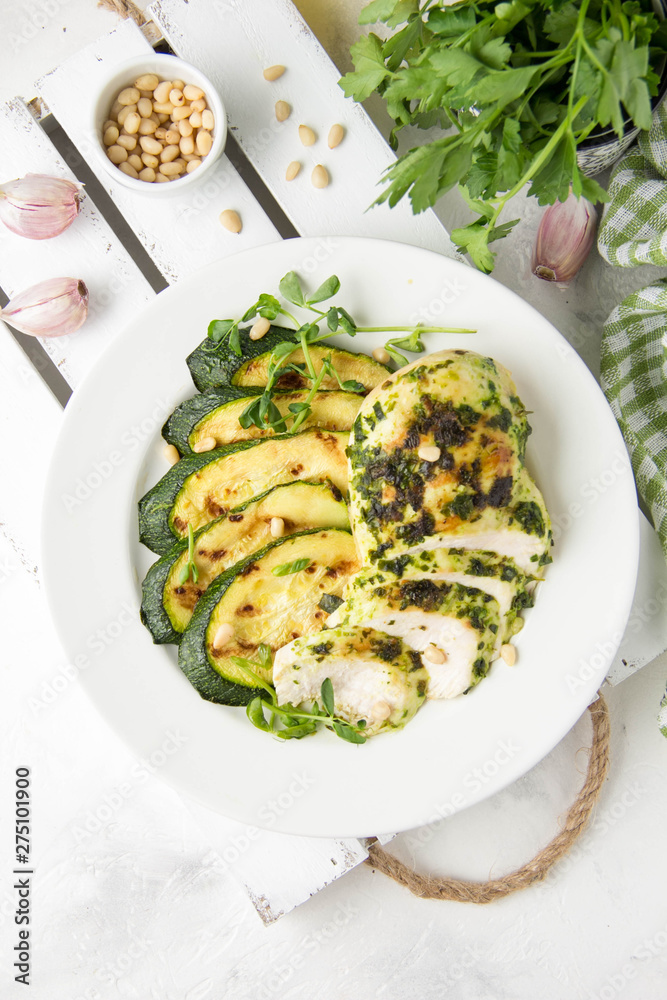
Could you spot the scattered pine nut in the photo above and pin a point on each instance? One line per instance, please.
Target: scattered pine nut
(172, 454)
(381, 710)
(231, 220)
(277, 527)
(434, 655)
(307, 135)
(381, 355)
(319, 176)
(429, 453)
(283, 111)
(292, 170)
(223, 636)
(336, 133)
(272, 73)
(204, 444)
(508, 653)
(260, 328)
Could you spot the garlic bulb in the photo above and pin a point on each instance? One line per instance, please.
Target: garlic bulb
(38, 206)
(50, 309)
(564, 239)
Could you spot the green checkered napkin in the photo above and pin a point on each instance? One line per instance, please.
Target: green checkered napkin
(634, 340)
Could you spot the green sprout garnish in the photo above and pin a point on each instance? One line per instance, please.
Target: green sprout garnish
(190, 566)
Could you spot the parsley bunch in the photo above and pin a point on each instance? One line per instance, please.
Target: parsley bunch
(262, 411)
(517, 86)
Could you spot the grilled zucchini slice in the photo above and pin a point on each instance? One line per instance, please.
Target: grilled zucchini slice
(200, 488)
(213, 365)
(167, 604)
(263, 607)
(215, 414)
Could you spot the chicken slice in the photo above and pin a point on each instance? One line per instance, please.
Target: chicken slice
(455, 626)
(375, 676)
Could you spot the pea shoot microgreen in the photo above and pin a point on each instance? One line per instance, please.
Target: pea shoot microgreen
(289, 722)
(190, 568)
(263, 411)
(285, 569)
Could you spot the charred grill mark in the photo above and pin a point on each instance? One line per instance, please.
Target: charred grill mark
(214, 507)
(251, 568)
(214, 556)
(247, 611)
(235, 517)
(180, 524)
(296, 470)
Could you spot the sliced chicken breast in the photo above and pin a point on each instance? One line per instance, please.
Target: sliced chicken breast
(376, 677)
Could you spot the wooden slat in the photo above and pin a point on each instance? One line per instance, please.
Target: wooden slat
(87, 250)
(181, 233)
(232, 41)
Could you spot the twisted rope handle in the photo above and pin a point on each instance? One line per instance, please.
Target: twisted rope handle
(431, 887)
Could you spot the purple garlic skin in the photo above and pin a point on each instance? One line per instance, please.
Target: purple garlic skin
(52, 308)
(564, 239)
(38, 206)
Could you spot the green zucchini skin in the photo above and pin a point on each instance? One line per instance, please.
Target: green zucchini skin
(153, 614)
(180, 424)
(192, 656)
(212, 365)
(154, 506)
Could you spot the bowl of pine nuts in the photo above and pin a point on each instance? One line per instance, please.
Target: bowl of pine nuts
(158, 124)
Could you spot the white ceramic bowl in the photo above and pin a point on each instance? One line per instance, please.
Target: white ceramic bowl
(167, 68)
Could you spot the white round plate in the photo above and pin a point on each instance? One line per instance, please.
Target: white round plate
(454, 753)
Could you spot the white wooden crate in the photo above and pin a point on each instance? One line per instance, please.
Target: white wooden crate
(231, 41)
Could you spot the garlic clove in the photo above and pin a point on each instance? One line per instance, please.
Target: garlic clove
(51, 308)
(564, 239)
(38, 206)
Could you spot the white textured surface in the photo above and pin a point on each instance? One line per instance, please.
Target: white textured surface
(143, 906)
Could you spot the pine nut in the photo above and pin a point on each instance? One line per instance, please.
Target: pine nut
(181, 161)
(306, 135)
(116, 108)
(381, 711)
(117, 154)
(190, 156)
(172, 454)
(177, 84)
(172, 137)
(204, 444)
(132, 122)
(508, 653)
(109, 123)
(192, 166)
(163, 107)
(184, 127)
(187, 145)
(147, 95)
(160, 178)
(171, 169)
(128, 142)
(180, 114)
(336, 133)
(149, 160)
(260, 328)
(283, 111)
(277, 527)
(204, 142)
(319, 176)
(434, 655)
(147, 126)
(192, 93)
(208, 120)
(128, 96)
(150, 145)
(381, 355)
(429, 453)
(162, 119)
(124, 112)
(223, 636)
(147, 174)
(145, 107)
(272, 73)
(148, 81)
(128, 169)
(169, 153)
(110, 136)
(161, 92)
(160, 132)
(195, 119)
(199, 104)
(176, 97)
(231, 220)
(292, 170)
(135, 161)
